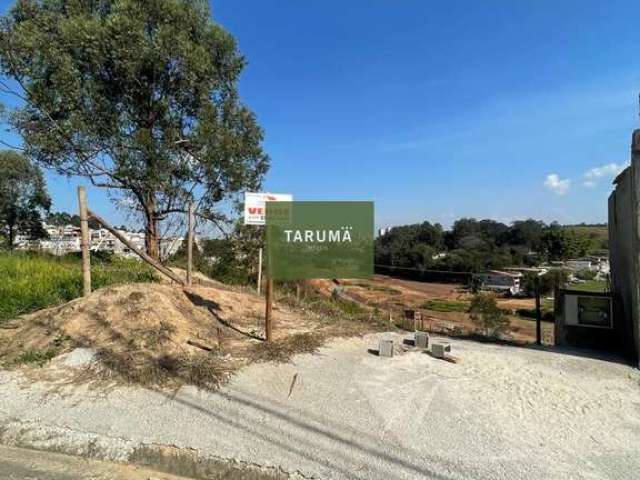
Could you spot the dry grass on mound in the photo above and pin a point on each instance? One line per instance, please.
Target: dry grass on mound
(145, 333)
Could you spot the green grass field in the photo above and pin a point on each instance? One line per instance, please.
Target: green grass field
(445, 305)
(31, 281)
(589, 286)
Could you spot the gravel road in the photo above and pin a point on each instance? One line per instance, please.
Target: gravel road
(500, 413)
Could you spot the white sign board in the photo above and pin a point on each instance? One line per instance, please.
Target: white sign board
(255, 205)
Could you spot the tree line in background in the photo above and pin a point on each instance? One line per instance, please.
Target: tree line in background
(478, 245)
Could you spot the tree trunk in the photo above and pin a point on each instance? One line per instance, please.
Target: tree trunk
(151, 234)
(11, 236)
(151, 239)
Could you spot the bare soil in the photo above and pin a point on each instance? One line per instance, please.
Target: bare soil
(162, 333)
(395, 295)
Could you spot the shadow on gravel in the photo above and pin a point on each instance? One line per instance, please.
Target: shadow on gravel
(342, 450)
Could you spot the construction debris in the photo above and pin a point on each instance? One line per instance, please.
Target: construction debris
(421, 340)
(386, 348)
(439, 350)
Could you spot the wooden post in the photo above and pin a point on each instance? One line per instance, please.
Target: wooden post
(538, 313)
(190, 245)
(268, 310)
(161, 268)
(259, 270)
(84, 241)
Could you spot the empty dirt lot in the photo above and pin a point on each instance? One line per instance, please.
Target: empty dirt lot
(393, 295)
(500, 413)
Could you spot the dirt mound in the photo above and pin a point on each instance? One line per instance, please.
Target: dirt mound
(150, 333)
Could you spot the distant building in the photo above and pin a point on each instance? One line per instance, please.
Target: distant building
(500, 281)
(66, 239)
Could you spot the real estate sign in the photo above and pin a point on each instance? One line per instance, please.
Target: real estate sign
(254, 205)
(319, 239)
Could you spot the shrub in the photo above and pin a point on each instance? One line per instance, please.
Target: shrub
(487, 316)
(586, 274)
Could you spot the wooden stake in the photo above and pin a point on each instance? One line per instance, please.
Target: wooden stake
(268, 310)
(259, 270)
(84, 241)
(190, 245)
(538, 313)
(161, 268)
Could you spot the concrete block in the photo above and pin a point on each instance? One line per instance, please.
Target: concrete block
(439, 350)
(386, 348)
(421, 340)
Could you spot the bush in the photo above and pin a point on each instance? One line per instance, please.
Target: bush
(487, 316)
(586, 274)
(548, 282)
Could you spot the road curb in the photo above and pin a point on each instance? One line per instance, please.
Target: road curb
(172, 459)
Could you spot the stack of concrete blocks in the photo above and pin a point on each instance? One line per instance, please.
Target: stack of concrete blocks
(439, 350)
(421, 340)
(386, 347)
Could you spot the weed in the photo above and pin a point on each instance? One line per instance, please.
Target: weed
(36, 356)
(32, 281)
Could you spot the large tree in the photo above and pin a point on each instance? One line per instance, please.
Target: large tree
(23, 197)
(139, 96)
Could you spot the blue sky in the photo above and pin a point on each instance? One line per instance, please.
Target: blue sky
(438, 110)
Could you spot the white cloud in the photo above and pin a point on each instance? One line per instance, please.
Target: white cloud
(556, 184)
(588, 183)
(609, 170)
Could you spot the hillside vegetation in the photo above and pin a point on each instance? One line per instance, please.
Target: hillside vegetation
(476, 245)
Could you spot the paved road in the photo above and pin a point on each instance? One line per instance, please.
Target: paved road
(21, 464)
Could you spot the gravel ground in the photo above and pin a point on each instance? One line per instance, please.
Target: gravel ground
(499, 413)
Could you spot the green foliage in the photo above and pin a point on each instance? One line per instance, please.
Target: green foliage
(595, 237)
(140, 96)
(479, 245)
(586, 274)
(548, 281)
(487, 316)
(23, 197)
(560, 243)
(39, 357)
(62, 219)
(232, 260)
(32, 281)
(445, 306)
(410, 245)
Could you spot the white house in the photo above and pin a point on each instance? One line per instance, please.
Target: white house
(500, 281)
